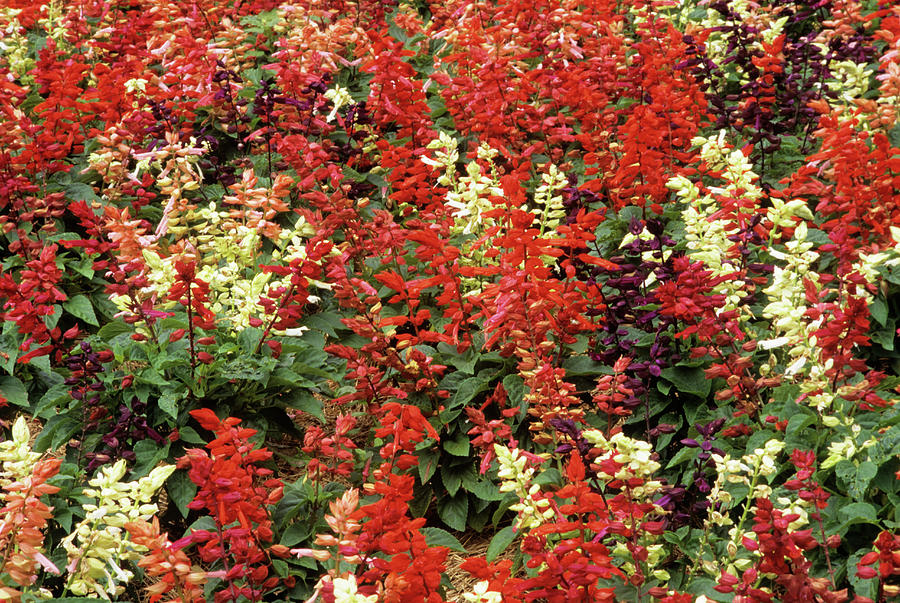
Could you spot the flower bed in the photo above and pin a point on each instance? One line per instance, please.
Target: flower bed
(298, 294)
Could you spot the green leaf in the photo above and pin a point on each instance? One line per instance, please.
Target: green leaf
(420, 502)
(683, 455)
(549, 476)
(454, 510)
(458, 446)
(439, 537)
(859, 512)
(452, 476)
(84, 266)
(50, 403)
(296, 533)
(302, 399)
(856, 478)
(500, 542)
(168, 403)
(465, 363)
(249, 338)
(706, 586)
(189, 434)
(885, 337)
(515, 390)
(282, 569)
(56, 432)
(181, 490)
(879, 310)
(887, 446)
(327, 322)
(80, 306)
(428, 462)
(13, 390)
(79, 191)
(10, 345)
(583, 365)
(690, 380)
(482, 489)
(863, 587)
(467, 390)
(796, 433)
(798, 422)
(148, 454)
(114, 328)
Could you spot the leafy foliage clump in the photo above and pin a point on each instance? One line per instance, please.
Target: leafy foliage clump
(299, 293)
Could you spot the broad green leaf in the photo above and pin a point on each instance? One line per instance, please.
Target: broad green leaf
(879, 310)
(683, 455)
(549, 476)
(885, 337)
(52, 320)
(467, 390)
(797, 422)
(863, 587)
(327, 322)
(80, 306)
(56, 432)
(296, 533)
(248, 339)
(428, 462)
(500, 542)
(706, 586)
(583, 365)
(515, 390)
(114, 328)
(85, 267)
(465, 363)
(856, 477)
(188, 434)
(452, 478)
(282, 569)
(13, 390)
(690, 380)
(887, 445)
(50, 403)
(10, 346)
(79, 191)
(458, 446)
(420, 502)
(439, 537)
(481, 488)
(148, 454)
(181, 490)
(302, 399)
(859, 512)
(454, 510)
(168, 403)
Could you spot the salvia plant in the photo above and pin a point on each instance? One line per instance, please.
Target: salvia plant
(380, 301)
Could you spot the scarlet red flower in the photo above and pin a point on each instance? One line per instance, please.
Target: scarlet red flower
(238, 494)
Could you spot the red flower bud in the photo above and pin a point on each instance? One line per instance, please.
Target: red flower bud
(176, 335)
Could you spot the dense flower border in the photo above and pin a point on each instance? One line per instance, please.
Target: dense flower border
(614, 282)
